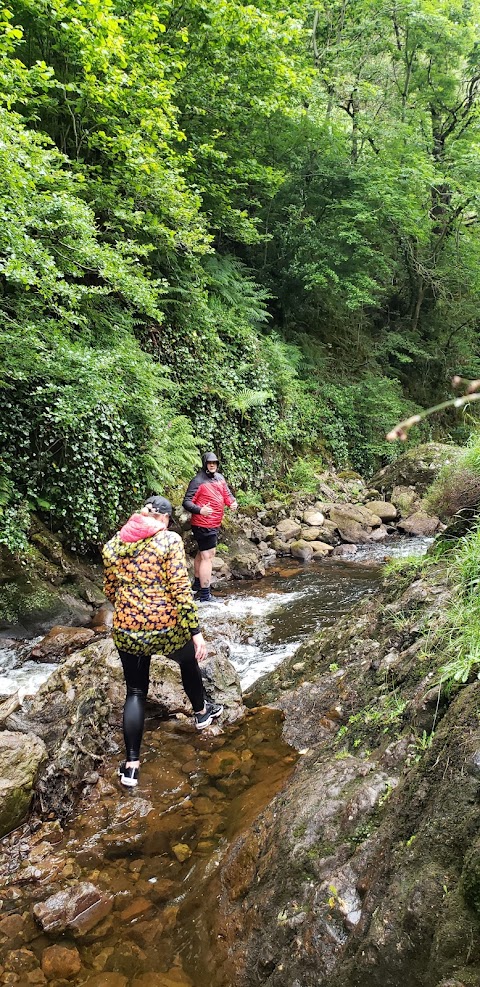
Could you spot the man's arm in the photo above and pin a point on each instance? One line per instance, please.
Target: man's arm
(228, 497)
(188, 502)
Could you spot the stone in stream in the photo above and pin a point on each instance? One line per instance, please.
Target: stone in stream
(321, 549)
(420, 524)
(76, 909)
(61, 641)
(61, 962)
(301, 550)
(21, 757)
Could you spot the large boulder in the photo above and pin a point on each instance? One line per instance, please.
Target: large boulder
(247, 564)
(418, 467)
(354, 522)
(21, 757)
(405, 499)
(243, 558)
(383, 509)
(220, 680)
(419, 524)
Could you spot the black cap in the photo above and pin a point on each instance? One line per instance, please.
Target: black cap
(160, 505)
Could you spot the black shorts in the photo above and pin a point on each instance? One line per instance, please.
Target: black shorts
(205, 538)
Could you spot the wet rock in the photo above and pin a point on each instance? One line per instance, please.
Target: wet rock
(288, 529)
(419, 524)
(321, 549)
(70, 713)
(379, 534)
(223, 762)
(301, 550)
(77, 909)
(103, 617)
(383, 509)
(344, 551)
(280, 547)
(21, 961)
(175, 977)
(246, 564)
(61, 962)
(137, 907)
(181, 851)
(221, 684)
(21, 757)
(61, 641)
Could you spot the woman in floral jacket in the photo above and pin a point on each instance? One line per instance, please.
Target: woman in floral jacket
(147, 581)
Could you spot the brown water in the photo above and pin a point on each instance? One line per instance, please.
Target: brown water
(156, 850)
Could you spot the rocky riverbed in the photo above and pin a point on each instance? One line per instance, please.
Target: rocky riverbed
(339, 850)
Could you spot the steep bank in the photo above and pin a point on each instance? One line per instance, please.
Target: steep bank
(364, 870)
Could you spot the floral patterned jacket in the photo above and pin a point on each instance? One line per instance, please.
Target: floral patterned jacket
(147, 581)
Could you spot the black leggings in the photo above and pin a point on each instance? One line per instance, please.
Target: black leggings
(136, 669)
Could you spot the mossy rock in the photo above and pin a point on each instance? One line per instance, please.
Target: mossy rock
(471, 877)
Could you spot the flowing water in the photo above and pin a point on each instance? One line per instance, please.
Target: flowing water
(154, 852)
(262, 624)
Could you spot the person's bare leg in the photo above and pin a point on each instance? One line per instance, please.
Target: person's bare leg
(196, 565)
(205, 567)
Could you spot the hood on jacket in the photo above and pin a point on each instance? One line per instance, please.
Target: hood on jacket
(209, 457)
(140, 526)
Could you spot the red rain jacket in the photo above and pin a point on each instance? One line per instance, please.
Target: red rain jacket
(208, 488)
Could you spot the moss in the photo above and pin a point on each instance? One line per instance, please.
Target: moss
(470, 883)
(23, 598)
(14, 809)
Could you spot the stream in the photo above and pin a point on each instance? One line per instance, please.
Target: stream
(154, 852)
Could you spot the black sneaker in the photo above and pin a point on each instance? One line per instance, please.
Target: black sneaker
(215, 709)
(196, 585)
(205, 719)
(128, 776)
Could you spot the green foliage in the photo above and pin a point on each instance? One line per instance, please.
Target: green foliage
(458, 640)
(457, 487)
(304, 475)
(209, 239)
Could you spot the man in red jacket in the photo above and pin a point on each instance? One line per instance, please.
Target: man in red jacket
(206, 499)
